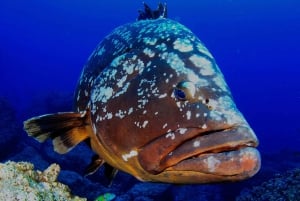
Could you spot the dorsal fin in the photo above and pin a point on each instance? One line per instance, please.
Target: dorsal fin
(65, 129)
(148, 13)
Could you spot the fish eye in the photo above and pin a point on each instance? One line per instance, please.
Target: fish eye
(185, 91)
(179, 94)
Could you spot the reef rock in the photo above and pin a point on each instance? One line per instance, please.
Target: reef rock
(19, 181)
(282, 187)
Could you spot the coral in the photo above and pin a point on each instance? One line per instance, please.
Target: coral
(280, 188)
(19, 181)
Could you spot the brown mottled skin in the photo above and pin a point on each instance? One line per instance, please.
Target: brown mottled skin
(153, 103)
(118, 136)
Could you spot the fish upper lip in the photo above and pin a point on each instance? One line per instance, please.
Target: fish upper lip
(215, 141)
(158, 155)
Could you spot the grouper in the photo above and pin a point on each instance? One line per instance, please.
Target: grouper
(151, 101)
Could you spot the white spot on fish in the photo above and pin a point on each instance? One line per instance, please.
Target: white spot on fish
(188, 115)
(102, 94)
(212, 163)
(129, 155)
(205, 65)
(201, 48)
(219, 80)
(204, 126)
(162, 95)
(130, 110)
(196, 143)
(183, 45)
(182, 130)
(101, 51)
(145, 124)
(170, 135)
(178, 65)
(108, 115)
(215, 115)
(174, 61)
(149, 52)
(123, 90)
(120, 114)
(121, 81)
(150, 41)
(161, 47)
(165, 125)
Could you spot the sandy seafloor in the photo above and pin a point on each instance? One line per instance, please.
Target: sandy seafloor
(44, 45)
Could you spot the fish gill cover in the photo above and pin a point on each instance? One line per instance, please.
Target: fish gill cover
(44, 45)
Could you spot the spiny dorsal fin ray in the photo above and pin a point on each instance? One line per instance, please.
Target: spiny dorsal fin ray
(66, 129)
(148, 13)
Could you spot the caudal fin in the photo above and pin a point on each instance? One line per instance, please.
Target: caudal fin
(65, 129)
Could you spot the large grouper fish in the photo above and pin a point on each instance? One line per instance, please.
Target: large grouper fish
(152, 102)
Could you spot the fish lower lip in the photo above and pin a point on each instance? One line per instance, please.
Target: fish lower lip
(230, 165)
(164, 153)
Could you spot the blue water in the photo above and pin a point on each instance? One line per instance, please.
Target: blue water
(44, 45)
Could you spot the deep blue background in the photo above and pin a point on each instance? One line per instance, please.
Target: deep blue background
(45, 43)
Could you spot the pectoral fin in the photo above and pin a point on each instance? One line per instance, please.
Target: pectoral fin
(94, 165)
(65, 129)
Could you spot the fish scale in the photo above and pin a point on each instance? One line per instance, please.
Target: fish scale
(152, 102)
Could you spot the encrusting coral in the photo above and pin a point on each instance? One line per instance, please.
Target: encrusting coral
(19, 181)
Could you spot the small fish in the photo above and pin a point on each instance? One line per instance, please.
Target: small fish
(151, 101)
(106, 197)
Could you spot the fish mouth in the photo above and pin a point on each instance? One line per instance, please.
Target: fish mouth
(228, 153)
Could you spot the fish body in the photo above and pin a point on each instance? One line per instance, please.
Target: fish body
(152, 102)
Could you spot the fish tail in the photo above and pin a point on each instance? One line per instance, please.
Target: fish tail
(65, 129)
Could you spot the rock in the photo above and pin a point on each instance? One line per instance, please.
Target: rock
(81, 185)
(282, 187)
(19, 181)
(148, 191)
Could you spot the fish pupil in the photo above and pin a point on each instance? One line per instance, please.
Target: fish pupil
(179, 94)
